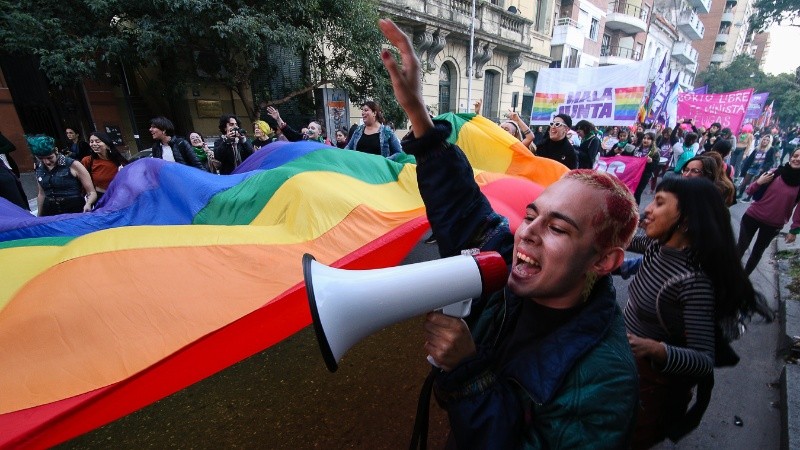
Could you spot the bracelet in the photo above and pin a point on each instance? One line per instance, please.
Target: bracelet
(526, 132)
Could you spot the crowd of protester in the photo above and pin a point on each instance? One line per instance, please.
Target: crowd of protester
(623, 378)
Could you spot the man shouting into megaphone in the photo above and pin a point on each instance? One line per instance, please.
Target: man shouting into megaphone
(544, 362)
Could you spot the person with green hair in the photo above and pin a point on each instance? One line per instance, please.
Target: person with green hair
(65, 185)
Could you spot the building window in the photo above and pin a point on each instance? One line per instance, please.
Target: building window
(491, 95)
(445, 88)
(637, 54)
(593, 29)
(527, 95)
(541, 11)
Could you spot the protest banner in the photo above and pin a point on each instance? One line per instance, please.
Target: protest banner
(727, 108)
(754, 108)
(628, 169)
(608, 95)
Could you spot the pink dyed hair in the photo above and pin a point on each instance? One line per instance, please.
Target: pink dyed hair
(615, 224)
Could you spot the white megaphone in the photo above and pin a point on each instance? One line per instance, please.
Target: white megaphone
(348, 305)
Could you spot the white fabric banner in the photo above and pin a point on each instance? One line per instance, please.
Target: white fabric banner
(608, 95)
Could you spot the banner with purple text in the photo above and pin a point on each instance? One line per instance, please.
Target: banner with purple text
(608, 95)
(754, 108)
(727, 108)
(628, 169)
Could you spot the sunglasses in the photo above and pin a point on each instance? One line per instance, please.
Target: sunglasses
(557, 124)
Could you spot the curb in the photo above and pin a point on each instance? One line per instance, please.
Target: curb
(790, 376)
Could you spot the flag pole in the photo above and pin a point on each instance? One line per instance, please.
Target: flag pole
(471, 52)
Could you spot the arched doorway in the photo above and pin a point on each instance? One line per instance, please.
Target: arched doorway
(447, 88)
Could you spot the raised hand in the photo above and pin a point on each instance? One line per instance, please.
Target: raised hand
(406, 79)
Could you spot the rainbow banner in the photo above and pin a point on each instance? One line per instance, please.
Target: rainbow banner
(179, 273)
(607, 95)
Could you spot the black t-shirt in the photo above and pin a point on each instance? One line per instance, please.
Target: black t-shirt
(369, 143)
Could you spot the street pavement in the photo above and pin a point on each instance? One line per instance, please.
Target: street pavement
(284, 397)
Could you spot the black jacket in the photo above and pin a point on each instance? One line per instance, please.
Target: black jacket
(223, 152)
(560, 151)
(181, 150)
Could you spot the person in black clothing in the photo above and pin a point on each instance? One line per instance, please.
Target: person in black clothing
(590, 144)
(556, 146)
(711, 136)
(232, 147)
(11, 188)
(169, 147)
(76, 148)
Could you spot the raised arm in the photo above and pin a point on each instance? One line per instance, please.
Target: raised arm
(459, 214)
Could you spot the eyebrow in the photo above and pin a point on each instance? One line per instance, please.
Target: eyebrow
(557, 215)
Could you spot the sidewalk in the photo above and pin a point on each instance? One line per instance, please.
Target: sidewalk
(790, 328)
(750, 390)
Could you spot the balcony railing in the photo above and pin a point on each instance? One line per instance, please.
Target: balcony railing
(620, 52)
(626, 17)
(701, 6)
(684, 53)
(513, 30)
(627, 9)
(691, 25)
(567, 32)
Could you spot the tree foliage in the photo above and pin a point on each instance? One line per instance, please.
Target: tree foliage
(743, 73)
(193, 41)
(770, 12)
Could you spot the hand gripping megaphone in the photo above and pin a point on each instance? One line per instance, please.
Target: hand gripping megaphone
(348, 305)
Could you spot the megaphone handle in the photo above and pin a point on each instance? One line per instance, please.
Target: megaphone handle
(459, 309)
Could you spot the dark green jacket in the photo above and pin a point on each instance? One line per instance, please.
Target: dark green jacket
(576, 387)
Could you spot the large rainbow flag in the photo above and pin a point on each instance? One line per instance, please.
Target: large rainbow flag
(179, 273)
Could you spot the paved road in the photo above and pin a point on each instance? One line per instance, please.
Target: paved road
(284, 397)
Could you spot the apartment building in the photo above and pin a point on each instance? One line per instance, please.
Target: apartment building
(511, 45)
(727, 32)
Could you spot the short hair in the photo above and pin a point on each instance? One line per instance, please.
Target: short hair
(722, 146)
(690, 139)
(321, 128)
(41, 145)
(615, 226)
(716, 124)
(263, 126)
(163, 124)
(566, 118)
(747, 128)
(224, 119)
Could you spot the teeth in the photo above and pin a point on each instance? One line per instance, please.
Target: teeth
(527, 259)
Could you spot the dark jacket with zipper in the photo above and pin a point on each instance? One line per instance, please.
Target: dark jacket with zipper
(574, 387)
(181, 150)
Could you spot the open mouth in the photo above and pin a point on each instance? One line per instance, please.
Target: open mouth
(526, 266)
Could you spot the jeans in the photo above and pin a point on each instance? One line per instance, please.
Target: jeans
(736, 159)
(748, 228)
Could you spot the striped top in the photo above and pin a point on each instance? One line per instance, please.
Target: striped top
(686, 305)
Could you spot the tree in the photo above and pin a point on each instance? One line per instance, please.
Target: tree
(743, 73)
(774, 12)
(192, 41)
